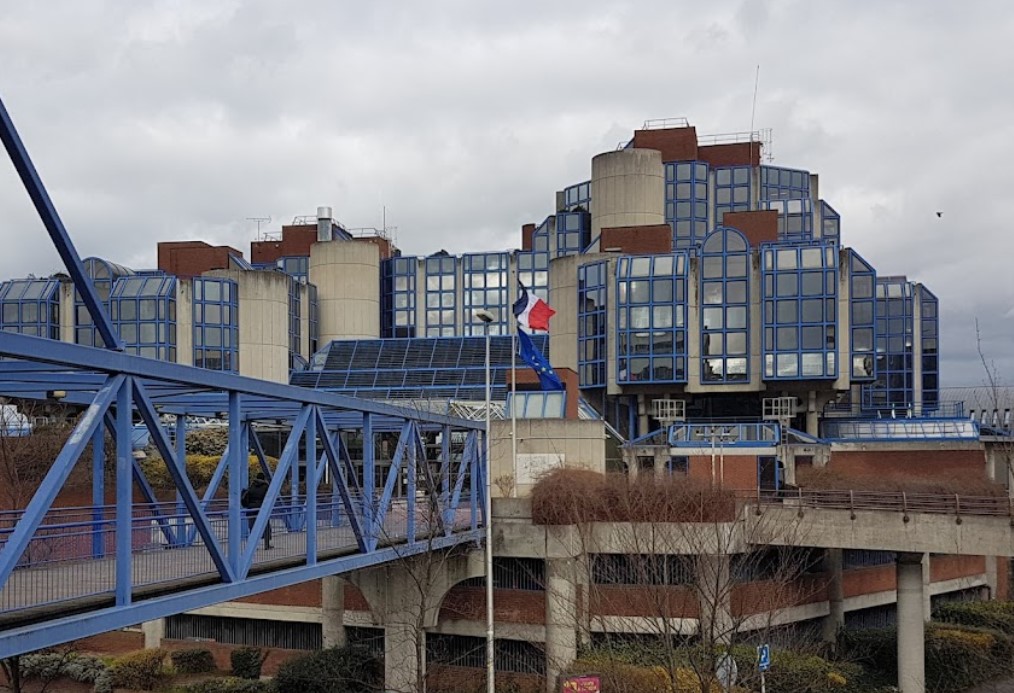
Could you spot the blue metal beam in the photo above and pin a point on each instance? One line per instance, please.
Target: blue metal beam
(55, 478)
(54, 225)
(124, 494)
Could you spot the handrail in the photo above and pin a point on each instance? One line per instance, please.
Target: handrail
(898, 501)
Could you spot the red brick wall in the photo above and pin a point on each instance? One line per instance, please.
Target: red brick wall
(296, 240)
(509, 606)
(633, 600)
(193, 258)
(444, 678)
(262, 252)
(676, 144)
(762, 596)
(859, 581)
(758, 226)
(303, 594)
(638, 240)
(740, 471)
(740, 154)
(923, 463)
(527, 231)
(950, 567)
(1002, 578)
(354, 599)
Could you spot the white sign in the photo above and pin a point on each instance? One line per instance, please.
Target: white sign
(531, 467)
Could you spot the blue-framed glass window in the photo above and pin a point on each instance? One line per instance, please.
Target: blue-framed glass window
(573, 232)
(102, 274)
(686, 202)
(298, 267)
(784, 183)
(295, 318)
(725, 307)
(399, 296)
(651, 335)
(441, 296)
(577, 195)
(800, 311)
(893, 388)
(732, 190)
(31, 306)
(485, 287)
(592, 280)
(830, 222)
(143, 311)
(216, 324)
(533, 265)
(862, 317)
(313, 318)
(930, 333)
(537, 405)
(795, 218)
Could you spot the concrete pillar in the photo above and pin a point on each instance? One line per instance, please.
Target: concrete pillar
(402, 648)
(642, 415)
(154, 632)
(911, 624)
(992, 579)
(561, 618)
(834, 621)
(714, 591)
(332, 600)
(812, 414)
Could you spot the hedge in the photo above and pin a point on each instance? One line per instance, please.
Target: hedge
(997, 616)
(957, 657)
(192, 661)
(141, 670)
(229, 684)
(641, 670)
(77, 667)
(247, 662)
(347, 669)
(200, 469)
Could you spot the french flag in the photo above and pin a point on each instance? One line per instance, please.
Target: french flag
(531, 311)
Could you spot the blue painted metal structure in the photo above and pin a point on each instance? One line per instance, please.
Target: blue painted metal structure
(69, 572)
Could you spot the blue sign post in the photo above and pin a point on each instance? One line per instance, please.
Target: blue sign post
(763, 663)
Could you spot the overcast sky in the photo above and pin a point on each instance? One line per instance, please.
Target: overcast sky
(180, 120)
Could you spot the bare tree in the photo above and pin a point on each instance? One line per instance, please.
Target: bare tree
(670, 568)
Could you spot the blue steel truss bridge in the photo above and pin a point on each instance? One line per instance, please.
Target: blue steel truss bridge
(411, 483)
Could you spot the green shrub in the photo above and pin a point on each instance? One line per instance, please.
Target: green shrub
(200, 469)
(335, 670)
(142, 670)
(193, 661)
(992, 615)
(230, 685)
(793, 671)
(957, 657)
(247, 661)
(82, 668)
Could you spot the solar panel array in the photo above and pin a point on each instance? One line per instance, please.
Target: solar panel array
(445, 368)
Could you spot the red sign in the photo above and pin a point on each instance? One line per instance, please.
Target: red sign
(582, 684)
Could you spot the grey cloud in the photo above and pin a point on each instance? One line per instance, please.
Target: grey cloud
(151, 121)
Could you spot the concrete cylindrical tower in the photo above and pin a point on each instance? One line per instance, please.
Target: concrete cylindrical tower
(627, 189)
(263, 323)
(347, 276)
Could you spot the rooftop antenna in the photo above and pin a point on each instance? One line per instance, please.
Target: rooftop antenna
(753, 107)
(259, 221)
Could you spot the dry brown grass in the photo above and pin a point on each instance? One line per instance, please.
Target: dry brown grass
(829, 479)
(572, 496)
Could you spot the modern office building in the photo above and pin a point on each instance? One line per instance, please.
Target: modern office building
(707, 305)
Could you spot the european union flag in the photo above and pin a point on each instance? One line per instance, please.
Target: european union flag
(534, 358)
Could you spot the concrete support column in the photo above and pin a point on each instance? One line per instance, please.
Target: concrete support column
(835, 621)
(332, 599)
(642, 415)
(911, 624)
(714, 587)
(404, 653)
(561, 618)
(992, 578)
(154, 632)
(812, 414)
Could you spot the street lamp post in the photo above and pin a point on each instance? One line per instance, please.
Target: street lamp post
(486, 318)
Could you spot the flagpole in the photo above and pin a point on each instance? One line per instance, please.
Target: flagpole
(514, 390)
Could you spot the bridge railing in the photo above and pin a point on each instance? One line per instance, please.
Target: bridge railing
(73, 554)
(896, 501)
